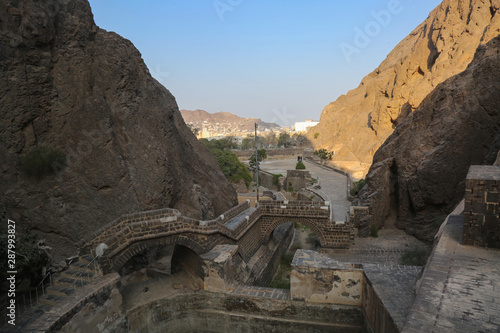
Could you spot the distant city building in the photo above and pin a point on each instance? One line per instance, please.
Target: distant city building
(303, 126)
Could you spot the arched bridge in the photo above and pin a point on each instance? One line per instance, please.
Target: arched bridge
(242, 225)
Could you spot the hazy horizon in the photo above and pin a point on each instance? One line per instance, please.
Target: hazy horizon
(282, 62)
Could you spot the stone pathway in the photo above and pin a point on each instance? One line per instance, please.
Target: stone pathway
(460, 291)
(235, 221)
(332, 183)
(386, 249)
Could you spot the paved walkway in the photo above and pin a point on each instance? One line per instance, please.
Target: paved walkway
(332, 183)
(460, 290)
(386, 249)
(235, 221)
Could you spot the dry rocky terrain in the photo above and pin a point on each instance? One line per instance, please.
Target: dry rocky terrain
(70, 87)
(357, 124)
(418, 174)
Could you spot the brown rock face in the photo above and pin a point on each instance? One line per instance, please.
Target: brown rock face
(442, 46)
(418, 174)
(68, 85)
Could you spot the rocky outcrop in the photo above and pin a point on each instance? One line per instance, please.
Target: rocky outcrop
(442, 46)
(69, 86)
(418, 174)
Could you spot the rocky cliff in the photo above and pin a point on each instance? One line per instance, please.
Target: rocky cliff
(69, 87)
(418, 174)
(442, 46)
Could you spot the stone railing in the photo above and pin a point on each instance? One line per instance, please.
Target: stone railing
(296, 208)
(155, 225)
(107, 233)
(110, 229)
(235, 211)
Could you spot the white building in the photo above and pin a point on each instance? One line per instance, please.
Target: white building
(303, 126)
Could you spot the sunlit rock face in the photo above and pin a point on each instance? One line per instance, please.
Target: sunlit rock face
(357, 124)
(67, 85)
(418, 174)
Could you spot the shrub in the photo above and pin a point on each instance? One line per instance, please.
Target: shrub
(300, 165)
(290, 188)
(42, 161)
(261, 155)
(228, 161)
(282, 278)
(357, 187)
(414, 256)
(313, 240)
(374, 231)
(316, 135)
(276, 179)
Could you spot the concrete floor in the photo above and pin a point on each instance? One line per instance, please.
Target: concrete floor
(332, 183)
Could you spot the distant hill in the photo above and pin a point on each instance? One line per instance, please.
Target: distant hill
(224, 121)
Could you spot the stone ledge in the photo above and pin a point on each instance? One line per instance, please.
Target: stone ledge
(67, 308)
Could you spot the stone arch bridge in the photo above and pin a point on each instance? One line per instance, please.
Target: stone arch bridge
(244, 226)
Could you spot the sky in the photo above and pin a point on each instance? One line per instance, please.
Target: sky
(282, 61)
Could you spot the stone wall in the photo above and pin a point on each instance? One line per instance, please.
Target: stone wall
(222, 313)
(297, 179)
(316, 278)
(127, 237)
(376, 315)
(281, 240)
(266, 180)
(360, 218)
(482, 207)
(224, 266)
(319, 279)
(78, 313)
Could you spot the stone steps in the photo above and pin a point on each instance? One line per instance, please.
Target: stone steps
(64, 284)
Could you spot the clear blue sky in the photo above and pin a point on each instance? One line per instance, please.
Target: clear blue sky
(280, 60)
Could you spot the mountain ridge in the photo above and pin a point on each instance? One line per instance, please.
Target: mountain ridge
(198, 117)
(357, 124)
(418, 174)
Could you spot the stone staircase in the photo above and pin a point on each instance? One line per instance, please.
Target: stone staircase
(78, 274)
(63, 284)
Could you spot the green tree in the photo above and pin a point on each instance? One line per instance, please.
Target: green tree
(357, 187)
(300, 165)
(261, 155)
(284, 140)
(228, 161)
(271, 139)
(247, 143)
(323, 154)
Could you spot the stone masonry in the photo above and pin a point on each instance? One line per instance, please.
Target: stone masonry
(244, 226)
(482, 207)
